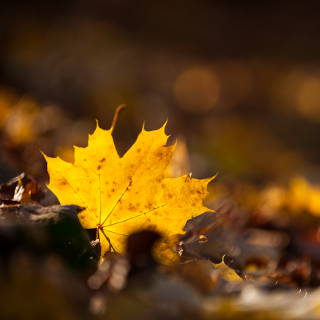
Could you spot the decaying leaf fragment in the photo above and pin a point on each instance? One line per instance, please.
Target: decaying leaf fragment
(129, 193)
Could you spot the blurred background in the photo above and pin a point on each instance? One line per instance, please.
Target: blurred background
(239, 82)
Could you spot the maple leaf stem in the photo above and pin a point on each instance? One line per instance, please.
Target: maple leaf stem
(116, 116)
(111, 247)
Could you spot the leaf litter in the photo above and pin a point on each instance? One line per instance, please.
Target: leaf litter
(244, 260)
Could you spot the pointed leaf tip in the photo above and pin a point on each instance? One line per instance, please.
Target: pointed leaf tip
(97, 125)
(45, 156)
(165, 124)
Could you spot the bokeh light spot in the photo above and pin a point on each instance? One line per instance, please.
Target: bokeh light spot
(197, 89)
(308, 97)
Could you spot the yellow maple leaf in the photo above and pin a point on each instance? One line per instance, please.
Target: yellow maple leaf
(124, 194)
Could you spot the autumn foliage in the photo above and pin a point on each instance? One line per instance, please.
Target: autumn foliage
(122, 195)
(136, 236)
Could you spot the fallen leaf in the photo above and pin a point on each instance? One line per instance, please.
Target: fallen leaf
(24, 189)
(129, 193)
